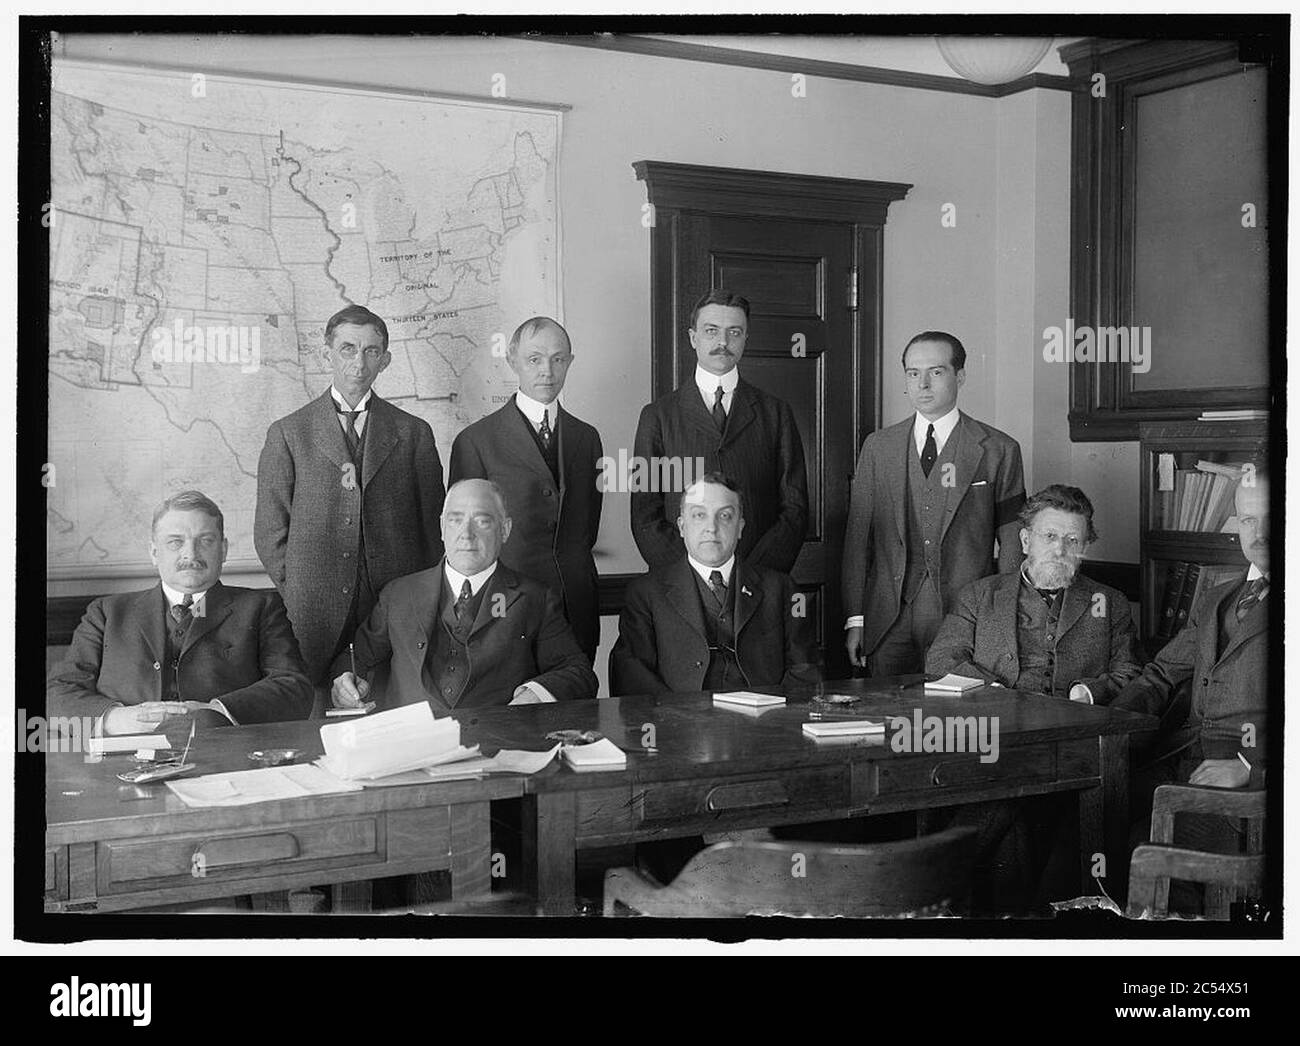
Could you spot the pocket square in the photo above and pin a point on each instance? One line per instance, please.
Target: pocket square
(980, 483)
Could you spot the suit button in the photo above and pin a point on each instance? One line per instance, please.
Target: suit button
(452, 668)
(347, 520)
(156, 666)
(345, 590)
(546, 493)
(1205, 680)
(699, 664)
(927, 541)
(176, 663)
(347, 555)
(420, 645)
(446, 689)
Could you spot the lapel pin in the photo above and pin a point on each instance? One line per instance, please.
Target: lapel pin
(745, 591)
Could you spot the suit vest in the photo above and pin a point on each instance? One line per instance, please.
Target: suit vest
(1036, 636)
(174, 639)
(927, 501)
(551, 454)
(446, 666)
(723, 672)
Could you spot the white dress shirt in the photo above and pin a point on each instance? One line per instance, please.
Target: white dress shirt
(942, 429)
(533, 411)
(704, 571)
(476, 581)
(707, 382)
(362, 409)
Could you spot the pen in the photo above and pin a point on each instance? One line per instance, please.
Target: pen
(353, 658)
(187, 743)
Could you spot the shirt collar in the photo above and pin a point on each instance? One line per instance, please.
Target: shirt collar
(704, 571)
(533, 410)
(342, 404)
(476, 581)
(942, 427)
(707, 382)
(174, 597)
(1254, 572)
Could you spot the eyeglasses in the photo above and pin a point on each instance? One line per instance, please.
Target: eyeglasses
(1072, 543)
(349, 352)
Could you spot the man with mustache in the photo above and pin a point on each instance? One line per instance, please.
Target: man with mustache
(349, 490)
(469, 632)
(737, 429)
(1047, 629)
(546, 461)
(188, 647)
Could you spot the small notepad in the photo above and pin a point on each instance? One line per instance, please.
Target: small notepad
(602, 755)
(748, 699)
(954, 684)
(846, 728)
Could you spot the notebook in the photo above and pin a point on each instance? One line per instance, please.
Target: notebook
(846, 728)
(602, 755)
(748, 699)
(954, 684)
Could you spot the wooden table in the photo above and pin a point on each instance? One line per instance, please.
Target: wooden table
(718, 770)
(111, 846)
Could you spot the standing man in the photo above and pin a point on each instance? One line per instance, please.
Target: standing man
(738, 430)
(930, 496)
(349, 492)
(547, 463)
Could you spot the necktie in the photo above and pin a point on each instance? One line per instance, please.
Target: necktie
(930, 452)
(718, 588)
(180, 612)
(545, 430)
(462, 604)
(350, 431)
(719, 412)
(1255, 591)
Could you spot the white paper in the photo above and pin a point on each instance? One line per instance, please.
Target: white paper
(746, 697)
(603, 753)
(127, 743)
(844, 728)
(1164, 472)
(953, 682)
(506, 761)
(243, 787)
(385, 743)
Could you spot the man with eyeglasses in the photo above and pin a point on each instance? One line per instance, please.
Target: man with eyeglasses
(1046, 629)
(468, 633)
(737, 429)
(349, 493)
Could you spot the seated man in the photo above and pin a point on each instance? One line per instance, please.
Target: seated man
(469, 632)
(710, 621)
(189, 646)
(1046, 629)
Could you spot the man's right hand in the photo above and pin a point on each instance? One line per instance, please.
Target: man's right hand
(348, 691)
(853, 644)
(140, 719)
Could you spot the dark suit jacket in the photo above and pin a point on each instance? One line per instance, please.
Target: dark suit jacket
(662, 645)
(760, 449)
(986, 501)
(529, 641)
(1228, 692)
(554, 530)
(980, 636)
(241, 650)
(309, 509)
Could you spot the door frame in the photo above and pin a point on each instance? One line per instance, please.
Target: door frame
(675, 189)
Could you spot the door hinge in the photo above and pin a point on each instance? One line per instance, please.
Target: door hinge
(852, 289)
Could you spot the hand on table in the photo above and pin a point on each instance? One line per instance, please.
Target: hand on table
(143, 718)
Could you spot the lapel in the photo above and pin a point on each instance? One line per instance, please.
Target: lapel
(1255, 622)
(503, 582)
(517, 436)
(1076, 601)
(327, 433)
(897, 440)
(217, 606)
(683, 596)
(690, 405)
(563, 447)
(1006, 613)
(970, 451)
(742, 410)
(147, 611)
(380, 437)
(744, 583)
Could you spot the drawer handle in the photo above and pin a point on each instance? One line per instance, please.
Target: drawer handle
(247, 849)
(743, 796)
(936, 777)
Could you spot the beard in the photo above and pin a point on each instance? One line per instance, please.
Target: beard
(1052, 573)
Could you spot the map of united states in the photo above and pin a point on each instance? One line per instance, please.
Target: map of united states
(204, 229)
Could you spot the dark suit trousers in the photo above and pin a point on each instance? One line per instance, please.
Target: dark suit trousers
(903, 647)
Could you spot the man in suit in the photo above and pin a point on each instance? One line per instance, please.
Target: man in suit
(470, 632)
(349, 491)
(547, 462)
(1047, 629)
(736, 429)
(187, 647)
(930, 496)
(1222, 655)
(711, 620)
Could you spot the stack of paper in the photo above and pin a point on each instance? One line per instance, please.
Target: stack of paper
(506, 761)
(406, 738)
(845, 728)
(603, 755)
(127, 743)
(953, 684)
(747, 699)
(258, 786)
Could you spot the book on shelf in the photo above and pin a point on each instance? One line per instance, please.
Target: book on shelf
(1169, 606)
(1253, 414)
(1185, 595)
(1202, 498)
(1185, 585)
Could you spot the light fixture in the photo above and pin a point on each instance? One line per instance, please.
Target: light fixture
(993, 59)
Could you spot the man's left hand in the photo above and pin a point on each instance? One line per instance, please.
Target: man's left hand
(1221, 773)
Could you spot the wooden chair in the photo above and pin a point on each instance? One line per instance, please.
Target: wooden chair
(1227, 877)
(926, 876)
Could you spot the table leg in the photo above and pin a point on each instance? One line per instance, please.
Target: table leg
(471, 851)
(1103, 822)
(550, 843)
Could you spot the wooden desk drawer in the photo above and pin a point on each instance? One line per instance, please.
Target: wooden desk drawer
(131, 864)
(961, 770)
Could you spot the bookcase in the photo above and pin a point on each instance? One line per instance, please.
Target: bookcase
(1187, 490)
